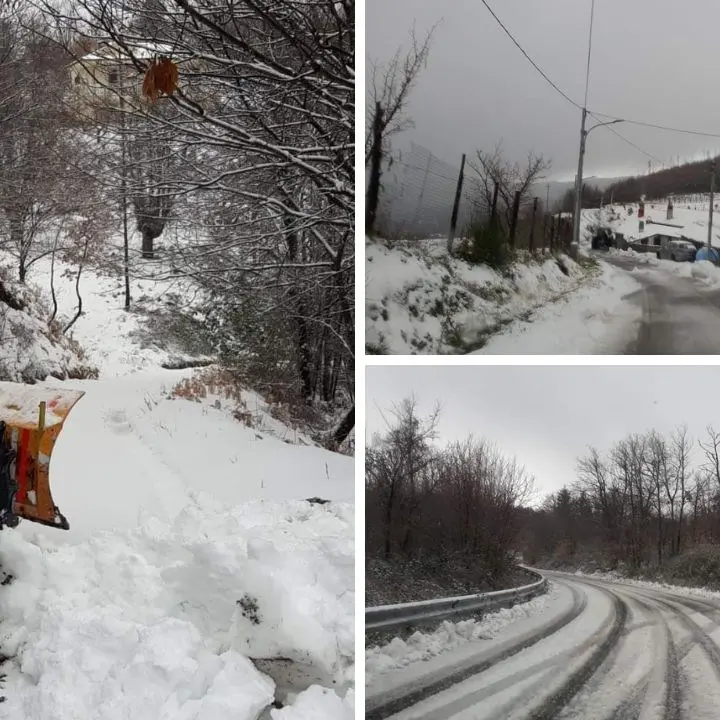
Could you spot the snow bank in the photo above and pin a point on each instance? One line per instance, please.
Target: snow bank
(704, 273)
(598, 318)
(677, 589)
(159, 622)
(450, 635)
(418, 300)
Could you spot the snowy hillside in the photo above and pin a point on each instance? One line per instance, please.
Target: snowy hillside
(30, 349)
(197, 580)
(419, 301)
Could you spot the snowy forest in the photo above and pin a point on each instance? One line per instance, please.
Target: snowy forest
(207, 140)
(438, 516)
(459, 515)
(650, 504)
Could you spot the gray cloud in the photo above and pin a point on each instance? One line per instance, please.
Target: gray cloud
(548, 416)
(651, 61)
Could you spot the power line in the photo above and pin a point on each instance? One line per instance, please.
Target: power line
(629, 142)
(657, 126)
(587, 75)
(529, 59)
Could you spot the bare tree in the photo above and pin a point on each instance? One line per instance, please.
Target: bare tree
(493, 168)
(390, 85)
(263, 122)
(388, 91)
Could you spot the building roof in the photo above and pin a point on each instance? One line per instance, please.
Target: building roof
(142, 51)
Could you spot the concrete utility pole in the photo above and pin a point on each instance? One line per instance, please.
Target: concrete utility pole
(712, 201)
(578, 179)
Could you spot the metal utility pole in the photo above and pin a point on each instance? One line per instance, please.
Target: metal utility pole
(712, 201)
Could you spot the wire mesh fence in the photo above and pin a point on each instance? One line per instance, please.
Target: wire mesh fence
(417, 195)
(418, 191)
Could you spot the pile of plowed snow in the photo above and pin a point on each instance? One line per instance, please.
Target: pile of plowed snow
(196, 581)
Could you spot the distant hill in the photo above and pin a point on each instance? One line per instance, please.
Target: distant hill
(558, 189)
(687, 179)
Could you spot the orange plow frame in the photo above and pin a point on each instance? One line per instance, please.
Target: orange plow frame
(33, 417)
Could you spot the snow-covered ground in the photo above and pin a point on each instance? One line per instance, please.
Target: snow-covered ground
(651, 585)
(420, 301)
(196, 580)
(595, 319)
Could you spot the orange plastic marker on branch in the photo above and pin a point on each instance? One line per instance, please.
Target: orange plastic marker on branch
(160, 78)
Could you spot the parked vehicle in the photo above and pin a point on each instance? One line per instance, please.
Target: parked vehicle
(678, 251)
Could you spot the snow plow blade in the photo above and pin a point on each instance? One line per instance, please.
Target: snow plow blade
(31, 418)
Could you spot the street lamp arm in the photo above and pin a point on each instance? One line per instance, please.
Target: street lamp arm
(611, 122)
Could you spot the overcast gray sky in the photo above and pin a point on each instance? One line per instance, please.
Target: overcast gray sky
(652, 60)
(548, 416)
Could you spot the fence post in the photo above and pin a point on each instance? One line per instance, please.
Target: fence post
(552, 233)
(373, 192)
(456, 206)
(531, 242)
(493, 208)
(514, 218)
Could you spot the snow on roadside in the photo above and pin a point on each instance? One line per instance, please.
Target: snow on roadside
(652, 585)
(418, 300)
(160, 621)
(29, 349)
(598, 318)
(704, 273)
(421, 646)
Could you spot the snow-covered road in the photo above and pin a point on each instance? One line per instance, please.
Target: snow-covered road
(601, 650)
(680, 307)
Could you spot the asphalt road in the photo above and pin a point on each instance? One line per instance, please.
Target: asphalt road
(679, 317)
(605, 651)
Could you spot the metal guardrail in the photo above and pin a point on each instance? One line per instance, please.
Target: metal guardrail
(403, 615)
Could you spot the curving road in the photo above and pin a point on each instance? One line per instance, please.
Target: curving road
(600, 651)
(679, 317)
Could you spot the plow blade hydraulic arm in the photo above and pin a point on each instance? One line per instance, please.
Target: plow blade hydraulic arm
(31, 418)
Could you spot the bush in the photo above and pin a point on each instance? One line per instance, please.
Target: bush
(486, 246)
(698, 566)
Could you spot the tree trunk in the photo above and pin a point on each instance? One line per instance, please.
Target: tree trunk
(373, 192)
(345, 427)
(299, 319)
(148, 248)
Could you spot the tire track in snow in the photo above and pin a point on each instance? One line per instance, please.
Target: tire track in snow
(574, 683)
(658, 695)
(656, 656)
